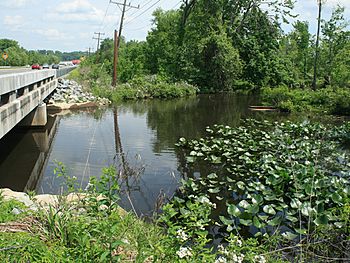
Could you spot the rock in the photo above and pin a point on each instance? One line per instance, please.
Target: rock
(23, 198)
(16, 211)
(46, 200)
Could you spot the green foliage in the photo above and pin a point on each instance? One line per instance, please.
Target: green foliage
(330, 100)
(138, 88)
(267, 179)
(18, 56)
(6, 209)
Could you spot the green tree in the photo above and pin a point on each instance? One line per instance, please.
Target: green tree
(335, 37)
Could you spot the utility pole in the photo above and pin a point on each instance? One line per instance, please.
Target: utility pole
(98, 39)
(117, 39)
(314, 82)
(115, 60)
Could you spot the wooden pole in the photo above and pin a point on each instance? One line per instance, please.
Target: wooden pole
(115, 60)
(314, 82)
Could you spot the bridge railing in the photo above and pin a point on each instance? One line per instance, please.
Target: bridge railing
(13, 86)
(64, 71)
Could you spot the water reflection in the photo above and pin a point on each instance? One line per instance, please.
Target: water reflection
(137, 137)
(24, 154)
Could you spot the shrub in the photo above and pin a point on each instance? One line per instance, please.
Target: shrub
(331, 101)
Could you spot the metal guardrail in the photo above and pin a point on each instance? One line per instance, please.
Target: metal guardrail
(64, 71)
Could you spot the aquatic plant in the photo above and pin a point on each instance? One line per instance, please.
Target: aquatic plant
(270, 177)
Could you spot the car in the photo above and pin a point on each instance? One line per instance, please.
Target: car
(36, 66)
(46, 66)
(55, 66)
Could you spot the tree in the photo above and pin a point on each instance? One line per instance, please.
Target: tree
(335, 37)
(317, 43)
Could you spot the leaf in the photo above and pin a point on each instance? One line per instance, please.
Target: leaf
(301, 231)
(336, 198)
(321, 220)
(214, 190)
(269, 210)
(241, 185)
(253, 209)
(292, 219)
(289, 235)
(306, 209)
(215, 159)
(276, 221)
(226, 221)
(257, 223)
(190, 159)
(233, 210)
(244, 204)
(257, 199)
(212, 176)
(295, 203)
(247, 222)
(262, 217)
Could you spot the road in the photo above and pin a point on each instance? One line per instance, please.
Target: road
(6, 71)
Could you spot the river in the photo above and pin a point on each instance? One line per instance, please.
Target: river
(138, 137)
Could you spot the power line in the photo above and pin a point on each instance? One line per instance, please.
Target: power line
(132, 19)
(98, 39)
(176, 5)
(117, 37)
(103, 20)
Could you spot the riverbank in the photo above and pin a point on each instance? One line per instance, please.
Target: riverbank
(331, 101)
(70, 95)
(144, 87)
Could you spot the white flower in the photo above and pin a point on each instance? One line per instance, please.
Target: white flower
(184, 252)
(89, 186)
(181, 235)
(124, 240)
(260, 259)
(205, 200)
(239, 242)
(223, 250)
(238, 259)
(221, 260)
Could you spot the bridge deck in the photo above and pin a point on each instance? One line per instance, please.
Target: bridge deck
(21, 93)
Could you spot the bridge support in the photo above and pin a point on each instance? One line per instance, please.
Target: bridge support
(38, 117)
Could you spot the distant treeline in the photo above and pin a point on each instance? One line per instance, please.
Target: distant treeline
(227, 45)
(18, 56)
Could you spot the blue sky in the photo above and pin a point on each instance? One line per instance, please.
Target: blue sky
(69, 25)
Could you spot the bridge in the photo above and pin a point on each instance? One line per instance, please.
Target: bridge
(22, 95)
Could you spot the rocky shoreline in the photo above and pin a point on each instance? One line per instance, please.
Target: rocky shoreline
(46, 201)
(70, 95)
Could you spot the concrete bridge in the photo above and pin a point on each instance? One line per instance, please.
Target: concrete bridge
(22, 96)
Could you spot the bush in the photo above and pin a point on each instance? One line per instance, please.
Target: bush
(331, 101)
(150, 87)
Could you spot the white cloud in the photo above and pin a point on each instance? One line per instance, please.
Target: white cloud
(52, 34)
(77, 11)
(15, 3)
(13, 22)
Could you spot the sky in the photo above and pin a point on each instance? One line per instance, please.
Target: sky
(69, 25)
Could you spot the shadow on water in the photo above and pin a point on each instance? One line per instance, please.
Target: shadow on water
(24, 154)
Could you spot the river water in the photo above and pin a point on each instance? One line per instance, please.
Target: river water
(137, 137)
